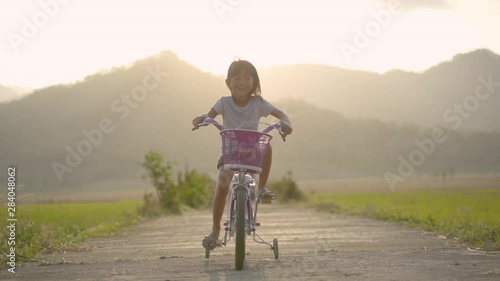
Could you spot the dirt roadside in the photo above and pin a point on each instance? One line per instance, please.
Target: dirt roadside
(312, 246)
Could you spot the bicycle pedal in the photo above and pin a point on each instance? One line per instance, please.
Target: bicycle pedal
(218, 243)
(267, 201)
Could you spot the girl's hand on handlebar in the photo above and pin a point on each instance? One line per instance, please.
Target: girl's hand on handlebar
(198, 120)
(286, 129)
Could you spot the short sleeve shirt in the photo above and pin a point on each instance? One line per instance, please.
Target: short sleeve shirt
(236, 117)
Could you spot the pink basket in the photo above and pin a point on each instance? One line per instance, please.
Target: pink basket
(244, 149)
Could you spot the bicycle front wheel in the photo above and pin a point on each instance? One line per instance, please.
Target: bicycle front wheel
(240, 228)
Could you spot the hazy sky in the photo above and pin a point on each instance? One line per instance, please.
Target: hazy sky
(46, 42)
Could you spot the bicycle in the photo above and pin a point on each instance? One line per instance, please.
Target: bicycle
(243, 152)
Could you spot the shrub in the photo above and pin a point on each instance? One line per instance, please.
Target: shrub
(196, 189)
(191, 190)
(286, 189)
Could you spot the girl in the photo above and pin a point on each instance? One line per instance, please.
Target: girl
(244, 107)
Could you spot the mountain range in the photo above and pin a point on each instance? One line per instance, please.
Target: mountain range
(424, 99)
(10, 93)
(346, 123)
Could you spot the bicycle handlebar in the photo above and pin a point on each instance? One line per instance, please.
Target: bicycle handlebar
(209, 121)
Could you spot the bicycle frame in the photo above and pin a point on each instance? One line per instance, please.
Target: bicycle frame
(241, 217)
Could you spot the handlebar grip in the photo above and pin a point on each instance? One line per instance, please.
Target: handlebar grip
(209, 121)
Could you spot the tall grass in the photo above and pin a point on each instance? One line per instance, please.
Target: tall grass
(471, 215)
(52, 227)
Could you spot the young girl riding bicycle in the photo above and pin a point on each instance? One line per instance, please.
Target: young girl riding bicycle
(242, 110)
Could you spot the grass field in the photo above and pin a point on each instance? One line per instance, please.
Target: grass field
(471, 215)
(52, 227)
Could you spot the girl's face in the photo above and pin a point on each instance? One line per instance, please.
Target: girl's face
(241, 84)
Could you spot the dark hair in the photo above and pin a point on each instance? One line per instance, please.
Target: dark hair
(237, 66)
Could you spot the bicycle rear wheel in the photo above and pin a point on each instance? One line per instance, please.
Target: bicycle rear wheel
(240, 228)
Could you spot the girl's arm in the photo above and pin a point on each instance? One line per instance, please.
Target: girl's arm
(287, 125)
(198, 119)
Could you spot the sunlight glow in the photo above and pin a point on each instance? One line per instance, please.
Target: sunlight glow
(83, 37)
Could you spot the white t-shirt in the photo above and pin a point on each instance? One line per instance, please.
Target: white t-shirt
(235, 117)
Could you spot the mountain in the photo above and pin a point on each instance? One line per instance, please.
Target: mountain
(428, 99)
(99, 129)
(45, 128)
(8, 94)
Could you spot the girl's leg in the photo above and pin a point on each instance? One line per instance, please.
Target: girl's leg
(223, 181)
(266, 169)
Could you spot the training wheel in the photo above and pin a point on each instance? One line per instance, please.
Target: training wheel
(275, 248)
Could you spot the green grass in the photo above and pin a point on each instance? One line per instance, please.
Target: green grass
(52, 227)
(470, 215)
